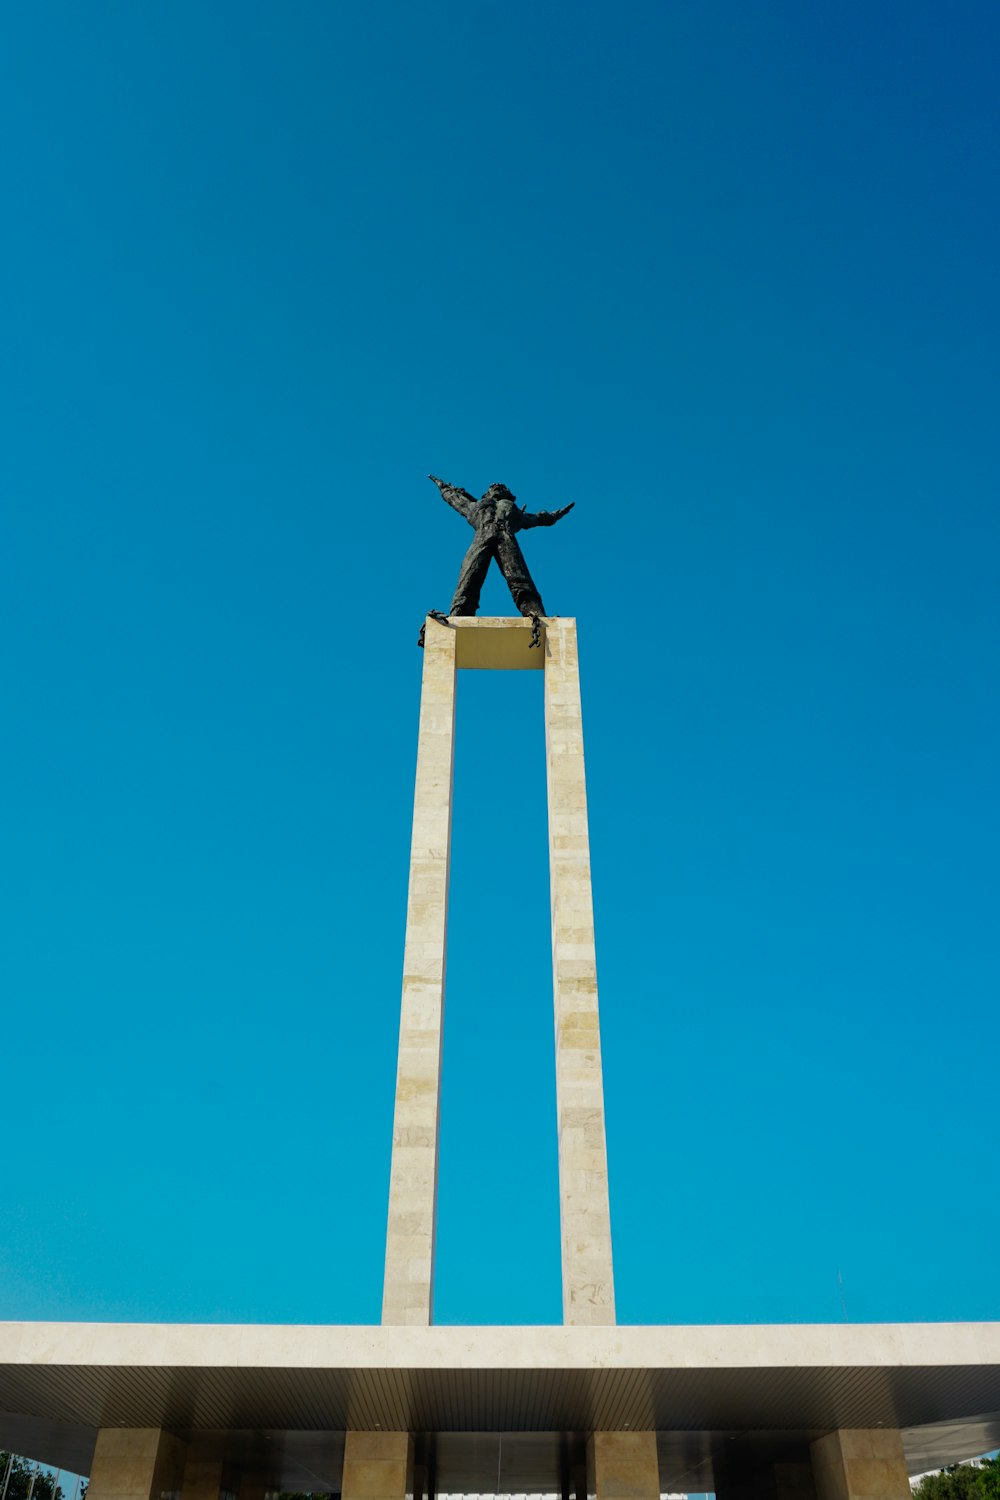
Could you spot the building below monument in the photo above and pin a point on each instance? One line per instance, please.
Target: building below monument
(815, 1412)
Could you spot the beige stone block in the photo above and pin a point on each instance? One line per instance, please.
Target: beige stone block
(583, 1117)
(413, 1135)
(576, 951)
(576, 1090)
(857, 1463)
(591, 1160)
(569, 969)
(405, 1224)
(578, 1028)
(378, 1466)
(623, 1466)
(136, 1463)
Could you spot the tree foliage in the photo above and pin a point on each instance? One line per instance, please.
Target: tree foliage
(989, 1478)
(25, 1480)
(962, 1482)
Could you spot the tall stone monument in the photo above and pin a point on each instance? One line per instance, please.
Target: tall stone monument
(406, 1410)
(471, 644)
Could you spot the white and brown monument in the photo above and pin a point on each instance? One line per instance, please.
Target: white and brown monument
(588, 1408)
(588, 1282)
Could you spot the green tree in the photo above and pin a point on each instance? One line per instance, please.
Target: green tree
(989, 1479)
(962, 1482)
(23, 1478)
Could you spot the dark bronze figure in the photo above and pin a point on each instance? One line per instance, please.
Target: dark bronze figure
(496, 519)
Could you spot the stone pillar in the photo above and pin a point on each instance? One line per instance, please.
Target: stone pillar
(623, 1466)
(136, 1463)
(408, 1289)
(860, 1463)
(585, 1216)
(378, 1466)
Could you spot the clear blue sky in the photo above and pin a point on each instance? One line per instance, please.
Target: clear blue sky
(725, 275)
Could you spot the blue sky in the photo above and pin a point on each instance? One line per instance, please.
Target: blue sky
(725, 276)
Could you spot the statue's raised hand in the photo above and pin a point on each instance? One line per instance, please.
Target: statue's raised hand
(557, 515)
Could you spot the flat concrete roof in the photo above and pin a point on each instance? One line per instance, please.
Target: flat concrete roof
(292, 1391)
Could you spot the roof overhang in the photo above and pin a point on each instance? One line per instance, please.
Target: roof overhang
(280, 1389)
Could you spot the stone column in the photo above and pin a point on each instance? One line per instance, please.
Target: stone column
(136, 1463)
(408, 1291)
(378, 1466)
(623, 1466)
(860, 1463)
(585, 1216)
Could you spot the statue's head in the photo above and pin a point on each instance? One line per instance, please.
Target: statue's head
(499, 492)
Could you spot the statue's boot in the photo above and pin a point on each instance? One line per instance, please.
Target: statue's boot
(432, 614)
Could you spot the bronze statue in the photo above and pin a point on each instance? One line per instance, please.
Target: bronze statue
(495, 519)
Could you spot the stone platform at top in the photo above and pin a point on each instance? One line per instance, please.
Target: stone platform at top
(497, 643)
(588, 1281)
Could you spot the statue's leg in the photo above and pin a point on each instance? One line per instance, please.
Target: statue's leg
(519, 580)
(475, 566)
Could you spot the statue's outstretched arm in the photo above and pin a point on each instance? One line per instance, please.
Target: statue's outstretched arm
(458, 499)
(544, 517)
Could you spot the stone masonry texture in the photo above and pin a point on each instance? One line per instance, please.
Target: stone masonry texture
(408, 1290)
(585, 1216)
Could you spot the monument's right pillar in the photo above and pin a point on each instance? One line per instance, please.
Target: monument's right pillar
(860, 1463)
(585, 1215)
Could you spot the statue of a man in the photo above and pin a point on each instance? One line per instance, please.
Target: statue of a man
(496, 519)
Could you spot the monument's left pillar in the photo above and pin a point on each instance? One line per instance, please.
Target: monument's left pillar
(408, 1289)
(136, 1463)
